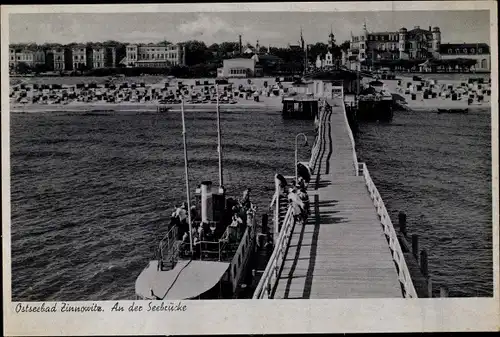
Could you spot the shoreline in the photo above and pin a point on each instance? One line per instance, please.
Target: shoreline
(434, 108)
(117, 107)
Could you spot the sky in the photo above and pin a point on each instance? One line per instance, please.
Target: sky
(270, 28)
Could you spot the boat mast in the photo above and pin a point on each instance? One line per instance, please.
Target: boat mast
(219, 144)
(187, 177)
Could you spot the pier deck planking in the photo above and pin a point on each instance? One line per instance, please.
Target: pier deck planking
(341, 250)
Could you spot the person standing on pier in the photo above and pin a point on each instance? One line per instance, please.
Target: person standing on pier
(296, 203)
(304, 197)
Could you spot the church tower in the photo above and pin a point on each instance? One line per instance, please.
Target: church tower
(363, 43)
(331, 39)
(402, 42)
(436, 39)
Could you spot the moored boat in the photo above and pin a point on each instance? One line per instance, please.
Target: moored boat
(214, 263)
(207, 248)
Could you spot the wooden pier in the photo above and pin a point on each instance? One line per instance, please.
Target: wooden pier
(348, 247)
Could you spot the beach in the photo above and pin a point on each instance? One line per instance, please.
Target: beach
(146, 93)
(403, 97)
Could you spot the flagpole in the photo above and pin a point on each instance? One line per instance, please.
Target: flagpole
(219, 145)
(187, 177)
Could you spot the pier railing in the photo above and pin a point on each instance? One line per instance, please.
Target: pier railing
(273, 269)
(404, 275)
(166, 249)
(351, 137)
(316, 147)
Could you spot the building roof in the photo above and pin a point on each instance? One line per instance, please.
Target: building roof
(238, 59)
(269, 58)
(383, 33)
(443, 49)
(419, 31)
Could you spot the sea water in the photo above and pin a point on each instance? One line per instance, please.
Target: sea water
(92, 193)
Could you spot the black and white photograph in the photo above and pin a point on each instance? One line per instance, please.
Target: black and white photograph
(169, 156)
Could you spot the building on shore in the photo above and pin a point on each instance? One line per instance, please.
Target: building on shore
(82, 57)
(30, 56)
(61, 58)
(479, 52)
(160, 55)
(327, 62)
(240, 67)
(103, 57)
(368, 48)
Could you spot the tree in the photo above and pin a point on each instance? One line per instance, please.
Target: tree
(228, 47)
(196, 52)
(23, 68)
(51, 45)
(40, 68)
(179, 71)
(214, 47)
(345, 45)
(317, 49)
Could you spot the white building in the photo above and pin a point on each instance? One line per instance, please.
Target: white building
(103, 57)
(239, 67)
(82, 57)
(319, 62)
(475, 51)
(325, 62)
(155, 55)
(30, 57)
(328, 60)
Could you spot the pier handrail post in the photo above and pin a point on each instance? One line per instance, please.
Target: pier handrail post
(443, 291)
(414, 245)
(276, 211)
(402, 223)
(264, 223)
(424, 264)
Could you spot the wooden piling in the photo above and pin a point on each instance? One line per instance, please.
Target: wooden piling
(443, 291)
(429, 287)
(424, 266)
(264, 228)
(402, 222)
(414, 246)
(420, 282)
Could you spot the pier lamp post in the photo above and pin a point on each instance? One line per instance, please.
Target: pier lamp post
(296, 154)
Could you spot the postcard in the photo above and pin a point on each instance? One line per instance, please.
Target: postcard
(250, 168)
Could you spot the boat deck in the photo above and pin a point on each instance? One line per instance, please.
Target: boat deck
(187, 279)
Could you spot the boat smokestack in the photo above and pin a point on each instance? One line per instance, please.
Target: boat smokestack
(207, 213)
(240, 45)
